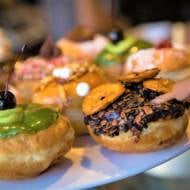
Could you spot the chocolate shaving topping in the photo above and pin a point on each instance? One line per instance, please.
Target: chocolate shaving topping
(133, 111)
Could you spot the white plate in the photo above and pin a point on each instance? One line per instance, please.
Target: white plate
(88, 165)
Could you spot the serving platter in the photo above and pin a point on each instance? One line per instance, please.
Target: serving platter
(88, 165)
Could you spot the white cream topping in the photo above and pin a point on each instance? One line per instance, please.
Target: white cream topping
(63, 73)
(95, 46)
(82, 89)
(141, 61)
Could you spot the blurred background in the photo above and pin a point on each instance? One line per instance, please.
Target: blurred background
(32, 21)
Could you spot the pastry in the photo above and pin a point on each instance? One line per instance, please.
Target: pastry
(173, 63)
(138, 77)
(82, 43)
(114, 54)
(66, 88)
(129, 122)
(32, 138)
(29, 72)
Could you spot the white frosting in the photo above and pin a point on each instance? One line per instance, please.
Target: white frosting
(141, 61)
(82, 89)
(63, 73)
(95, 46)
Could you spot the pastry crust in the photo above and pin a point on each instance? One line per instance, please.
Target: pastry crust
(139, 76)
(159, 85)
(100, 97)
(27, 155)
(158, 135)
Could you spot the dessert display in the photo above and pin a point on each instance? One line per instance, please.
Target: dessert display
(120, 47)
(66, 89)
(121, 116)
(32, 138)
(29, 72)
(173, 63)
(90, 107)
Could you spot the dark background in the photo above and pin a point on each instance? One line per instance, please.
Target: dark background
(155, 10)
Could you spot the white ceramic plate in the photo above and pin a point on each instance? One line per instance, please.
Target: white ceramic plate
(88, 165)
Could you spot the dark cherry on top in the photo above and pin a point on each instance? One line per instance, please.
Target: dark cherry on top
(7, 100)
(116, 35)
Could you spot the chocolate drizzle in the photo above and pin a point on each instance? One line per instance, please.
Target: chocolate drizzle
(133, 111)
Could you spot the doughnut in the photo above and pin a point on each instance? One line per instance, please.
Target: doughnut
(32, 138)
(66, 89)
(131, 122)
(173, 63)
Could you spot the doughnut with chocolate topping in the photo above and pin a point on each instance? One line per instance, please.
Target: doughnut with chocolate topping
(133, 124)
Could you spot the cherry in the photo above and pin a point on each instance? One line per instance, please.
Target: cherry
(164, 44)
(7, 100)
(116, 35)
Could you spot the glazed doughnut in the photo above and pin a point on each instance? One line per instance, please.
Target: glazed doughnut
(131, 123)
(66, 93)
(26, 152)
(173, 63)
(29, 72)
(87, 50)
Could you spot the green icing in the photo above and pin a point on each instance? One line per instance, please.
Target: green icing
(117, 53)
(25, 119)
(108, 59)
(121, 46)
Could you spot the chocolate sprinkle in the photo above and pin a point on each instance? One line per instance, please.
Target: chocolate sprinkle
(133, 111)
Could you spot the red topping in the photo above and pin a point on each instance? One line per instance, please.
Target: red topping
(164, 44)
(37, 68)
